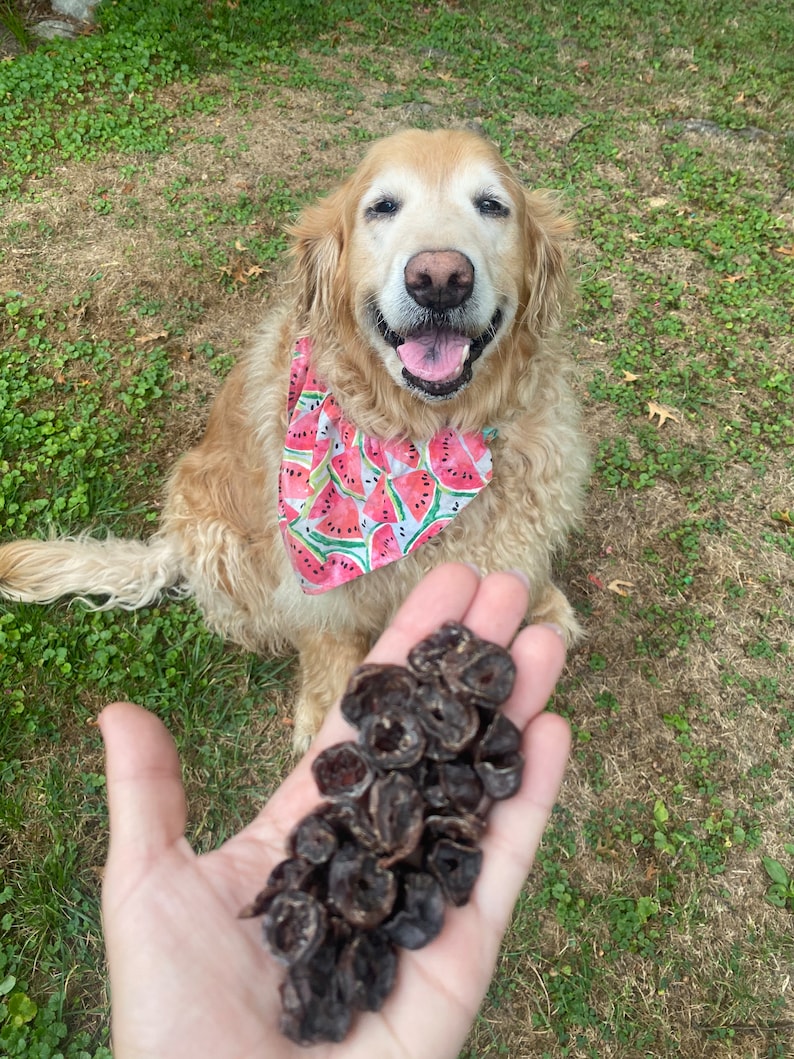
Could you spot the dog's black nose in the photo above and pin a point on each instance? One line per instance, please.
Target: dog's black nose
(439, 279)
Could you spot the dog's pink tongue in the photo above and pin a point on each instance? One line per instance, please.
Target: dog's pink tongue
(436, 355)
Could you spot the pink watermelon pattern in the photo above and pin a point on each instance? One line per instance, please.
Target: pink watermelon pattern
(349, 503)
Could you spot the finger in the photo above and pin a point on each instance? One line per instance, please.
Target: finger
(146, 800)
(460, 964)
(539, 654)
(444, 594)
(515, 826)
(498, 607)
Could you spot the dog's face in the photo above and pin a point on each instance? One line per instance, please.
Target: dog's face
(435, 261)
(436, 255)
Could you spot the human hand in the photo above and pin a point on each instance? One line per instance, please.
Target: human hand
(190, 980)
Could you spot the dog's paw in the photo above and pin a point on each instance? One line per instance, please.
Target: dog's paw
(308, 721)
(301, 741)
(553, 607)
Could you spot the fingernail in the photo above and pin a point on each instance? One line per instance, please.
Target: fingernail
(520, 575)
(554, 628)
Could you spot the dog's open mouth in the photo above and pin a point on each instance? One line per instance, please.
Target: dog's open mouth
(437, 359)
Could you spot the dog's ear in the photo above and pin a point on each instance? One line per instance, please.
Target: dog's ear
(546, 276)
(318, 247)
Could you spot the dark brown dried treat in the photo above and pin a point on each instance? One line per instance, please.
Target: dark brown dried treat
(426, 777)
(350, 820)
(460, 828)
(501, 737)
(456, 865)
(314, 839)
(462, 786)
(425, 657)
(419, 914)
(293, 873)
(342, 771)
(450, 723)
(499, 761)
(397, 809)
(359, 889)
(367, 969)
(294, 926)
(375, 687)
(501, 777)
(482, 673)
(392, 738)
(313, 1008)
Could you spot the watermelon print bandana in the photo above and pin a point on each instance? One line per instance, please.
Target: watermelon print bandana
(348, 503)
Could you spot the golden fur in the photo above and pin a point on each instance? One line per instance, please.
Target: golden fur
(443, 191)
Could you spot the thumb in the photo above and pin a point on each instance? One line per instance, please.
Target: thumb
(146, 800)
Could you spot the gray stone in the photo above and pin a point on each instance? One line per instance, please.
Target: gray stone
(82, 10)
(51, 28)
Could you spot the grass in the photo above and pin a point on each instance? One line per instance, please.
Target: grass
(149, 170)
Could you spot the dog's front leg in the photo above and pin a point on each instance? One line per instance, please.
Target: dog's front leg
(326, 662)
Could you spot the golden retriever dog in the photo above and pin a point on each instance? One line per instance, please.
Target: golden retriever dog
(408, 405)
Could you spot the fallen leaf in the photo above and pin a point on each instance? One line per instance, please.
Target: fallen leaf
(620, 587)
(786, 251)
(629, 376)
(239, 246)
(786, 517)
(142, 340)
(595, 580)
(663, 413)
(735, 278)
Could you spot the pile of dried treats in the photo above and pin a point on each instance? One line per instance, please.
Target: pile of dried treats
(397, 835)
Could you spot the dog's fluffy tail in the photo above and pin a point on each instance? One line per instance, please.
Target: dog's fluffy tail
(105, 574)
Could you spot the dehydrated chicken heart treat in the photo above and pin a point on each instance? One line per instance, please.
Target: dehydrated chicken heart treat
(397, 836)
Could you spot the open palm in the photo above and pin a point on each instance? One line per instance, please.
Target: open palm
(189, 979)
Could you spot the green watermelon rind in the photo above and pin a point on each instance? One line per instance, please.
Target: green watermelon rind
(294, 541)
(439, 523)
(355, 548)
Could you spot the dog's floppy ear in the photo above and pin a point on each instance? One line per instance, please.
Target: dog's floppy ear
(318, 247)
(546, 274)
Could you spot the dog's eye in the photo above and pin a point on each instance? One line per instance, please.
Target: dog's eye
(383, 208)
(490, 207)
